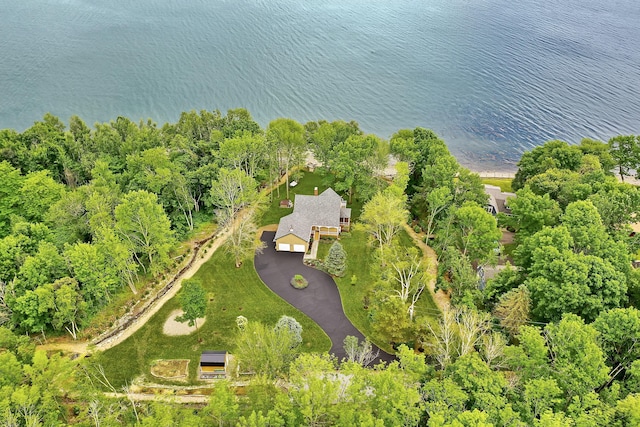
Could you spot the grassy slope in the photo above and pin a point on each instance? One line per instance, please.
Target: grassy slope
(503, 183)
(359, 257)
(359, 260)
(240, 292)
(235, 292)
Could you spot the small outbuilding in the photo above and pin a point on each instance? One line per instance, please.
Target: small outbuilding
(213, 364)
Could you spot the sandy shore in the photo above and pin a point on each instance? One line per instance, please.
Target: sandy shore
(495, 174)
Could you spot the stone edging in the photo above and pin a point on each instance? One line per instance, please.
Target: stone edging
(129, 319)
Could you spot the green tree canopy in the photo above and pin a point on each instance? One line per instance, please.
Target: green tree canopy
(143, 224)
(193, 300)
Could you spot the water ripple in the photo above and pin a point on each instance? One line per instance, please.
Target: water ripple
(492, 78)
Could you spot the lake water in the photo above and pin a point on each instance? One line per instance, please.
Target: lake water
(492, 77)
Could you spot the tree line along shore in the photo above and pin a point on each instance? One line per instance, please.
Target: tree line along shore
(92, 217)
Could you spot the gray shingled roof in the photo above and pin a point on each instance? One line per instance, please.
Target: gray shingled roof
(212, 357)
(321, 210)
(498, 198)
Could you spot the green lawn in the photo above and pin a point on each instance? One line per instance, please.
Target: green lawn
(235, 292)
(359, 261)
(232, 292)
(503, 183)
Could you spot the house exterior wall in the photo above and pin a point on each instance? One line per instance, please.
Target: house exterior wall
(291, 240)
(329, 231)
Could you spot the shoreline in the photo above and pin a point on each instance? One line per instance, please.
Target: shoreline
(494, 174)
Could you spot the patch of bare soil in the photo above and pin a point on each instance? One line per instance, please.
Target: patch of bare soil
(174, 328)
(170, 369)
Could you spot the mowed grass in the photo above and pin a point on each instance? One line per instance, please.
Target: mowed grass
(232, 292)
(503, 183)
(360, 260)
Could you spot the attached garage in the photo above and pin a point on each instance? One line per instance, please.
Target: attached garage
(284, 247)
(291, 243)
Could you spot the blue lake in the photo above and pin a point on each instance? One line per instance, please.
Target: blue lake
(492, 77)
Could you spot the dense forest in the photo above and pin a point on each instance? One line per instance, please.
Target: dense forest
(90, 214)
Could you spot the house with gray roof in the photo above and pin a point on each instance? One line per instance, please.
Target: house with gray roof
(313, 217)
(498, 200)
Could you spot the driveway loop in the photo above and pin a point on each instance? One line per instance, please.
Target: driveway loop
(320, 300)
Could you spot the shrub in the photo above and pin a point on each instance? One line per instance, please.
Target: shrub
(417, 229)
(299, 282)
(289, 325)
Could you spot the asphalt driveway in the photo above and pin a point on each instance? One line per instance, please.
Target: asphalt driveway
(320, 300)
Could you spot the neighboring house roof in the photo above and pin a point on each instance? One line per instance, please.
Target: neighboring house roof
(324, 210)
(498, 199)
(209, 358)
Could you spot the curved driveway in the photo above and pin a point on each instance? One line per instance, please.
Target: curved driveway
(320, 300)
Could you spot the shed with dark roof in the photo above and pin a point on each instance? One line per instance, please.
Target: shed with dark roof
(213, 364)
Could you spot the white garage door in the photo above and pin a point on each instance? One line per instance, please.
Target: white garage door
(299, 248)
(284, 247)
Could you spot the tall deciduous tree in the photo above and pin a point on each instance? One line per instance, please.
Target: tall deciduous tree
(625, 150)
(564, 282)
(355, 163)
(619, 337)
(223, 405)
(382, 217)
(103, 196)
(477, 233)
(617, 204)
(117, 257)
(287, 137)
(244, 242)
(193, 300)
(361, 353)
(244, 151)
(45, 266)
(9, 195)
(265, 351)
(143, 224)
(436, 202)
(410, 274)
(231, 191)
(69, 306)
(552, 155)
(531, 212)
(38, 192)
(97, 284)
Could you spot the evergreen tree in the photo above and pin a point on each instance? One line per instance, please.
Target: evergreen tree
(336, 261)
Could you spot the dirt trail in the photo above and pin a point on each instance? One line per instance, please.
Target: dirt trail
(79, 347)
(201, 257)
(142, 397)
(132, 322)
(440, 298)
